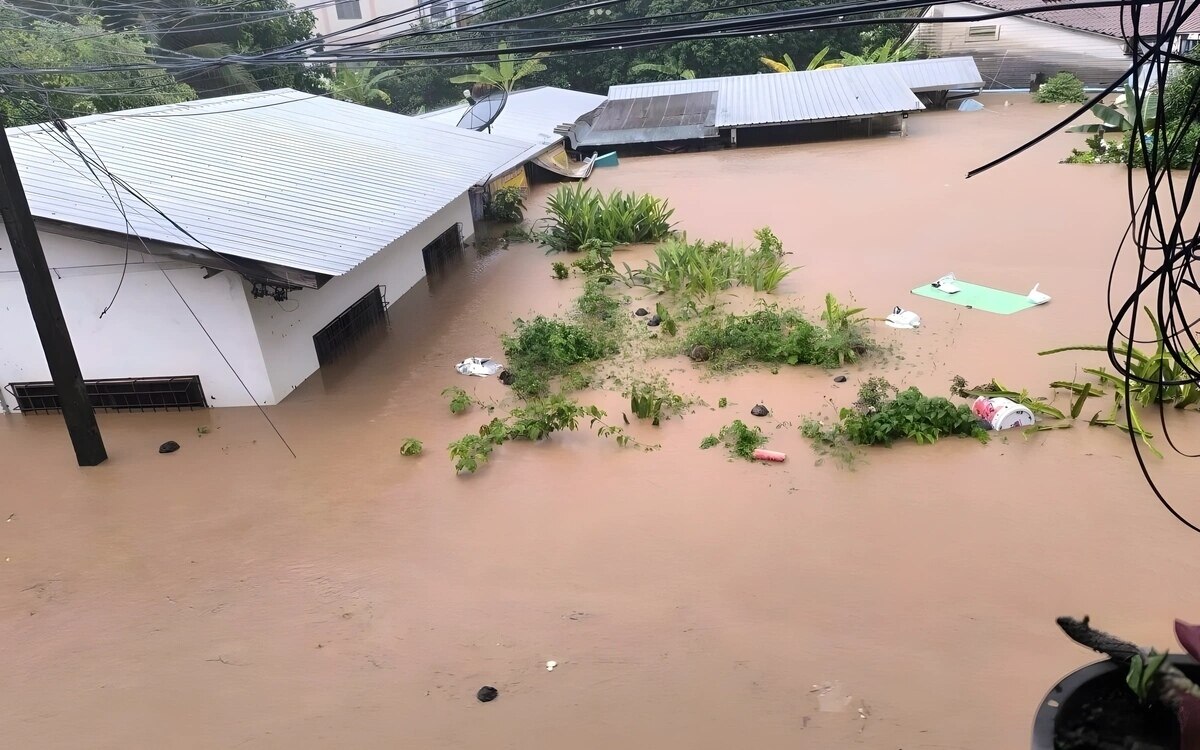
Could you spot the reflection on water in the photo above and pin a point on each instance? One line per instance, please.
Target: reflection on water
(355, 594)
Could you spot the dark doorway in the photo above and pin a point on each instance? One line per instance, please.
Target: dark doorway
(443, 254)
(363, 316)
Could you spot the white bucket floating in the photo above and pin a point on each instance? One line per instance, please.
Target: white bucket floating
(1002, 413)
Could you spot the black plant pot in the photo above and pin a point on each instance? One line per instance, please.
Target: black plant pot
(1093, 704)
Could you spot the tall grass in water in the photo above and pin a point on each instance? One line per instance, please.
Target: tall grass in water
(777, 335)
(579, 214)
(704, 268)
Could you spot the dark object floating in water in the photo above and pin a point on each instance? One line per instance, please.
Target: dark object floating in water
(654, 321)
(487, 693)
(759, 410)
(840, 379)
(641, 312)
(168, 447)
(700, 353)
(506, 377)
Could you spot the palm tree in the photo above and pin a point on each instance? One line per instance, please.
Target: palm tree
(787, 66)
(889, 51)
(505, 73)
(670, 70)
(360, 84)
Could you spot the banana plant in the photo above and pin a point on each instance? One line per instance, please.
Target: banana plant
(669, 71)
(787, 65)
(1123, 114)
(505, 73)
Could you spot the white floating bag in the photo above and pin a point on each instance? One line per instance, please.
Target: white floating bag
(946, 284)
(902, 319)
(1038, 297)
(478, 366)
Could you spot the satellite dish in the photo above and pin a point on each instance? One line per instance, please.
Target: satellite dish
(484, 111)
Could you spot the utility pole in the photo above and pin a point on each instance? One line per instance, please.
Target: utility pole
(47, 312)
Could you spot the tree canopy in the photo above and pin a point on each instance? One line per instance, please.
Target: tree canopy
(83, 41)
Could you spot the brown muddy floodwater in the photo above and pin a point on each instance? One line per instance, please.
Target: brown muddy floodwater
(229, 596)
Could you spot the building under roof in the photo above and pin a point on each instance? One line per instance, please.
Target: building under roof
(279, 223)
(283, 178)
(531, 117)
(708, 108)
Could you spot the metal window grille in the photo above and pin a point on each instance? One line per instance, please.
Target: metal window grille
(341, 332)
(117, 394)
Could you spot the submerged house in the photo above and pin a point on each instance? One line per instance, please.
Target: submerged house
(1015, 51)
(278, 223)
(533, 117)
(727, 110)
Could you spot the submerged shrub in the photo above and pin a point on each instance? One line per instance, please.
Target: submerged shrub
(1063, 88)
(579, 214)
(543, 348)
(739, 439)
(507, 205)
(882, 415)
(777, 335)
(709, 267)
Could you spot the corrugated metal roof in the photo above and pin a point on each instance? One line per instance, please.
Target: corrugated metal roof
(670, 117)
(939, 74)
(531, 115)
(279, 177)
(803, 96)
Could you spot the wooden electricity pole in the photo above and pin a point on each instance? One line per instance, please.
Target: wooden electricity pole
(47, 312)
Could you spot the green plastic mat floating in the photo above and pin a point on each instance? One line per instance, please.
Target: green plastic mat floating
(979, 297)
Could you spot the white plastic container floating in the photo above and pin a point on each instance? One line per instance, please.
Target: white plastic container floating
(1002, 413)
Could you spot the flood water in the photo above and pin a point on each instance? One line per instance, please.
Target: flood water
(229, 595)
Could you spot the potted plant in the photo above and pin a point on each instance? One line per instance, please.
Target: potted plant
(1137, 699)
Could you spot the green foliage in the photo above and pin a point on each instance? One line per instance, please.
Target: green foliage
(883, 415)
(1180, 99)
(596, 262)
(722, 402)
(411, 447)
(777, 335)
(545, 347)
(537, 420)
(560, 270)
(1063, 88)
(80, 42)
(1159, 378)
(506, 72)
(959, 387)
(1142, 673)
(653, 399)
(595, 303)
(740, 440)
(1100, 151)
(701, 268)
(843, 327)
(1123, 114)
(359, 83)
(460, 400)
(669, 71)
(891, 50)
(579, 214)
(507, 205)
(667, 322)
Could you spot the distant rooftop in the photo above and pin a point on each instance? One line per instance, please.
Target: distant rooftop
(802, 96)
(1113, 21)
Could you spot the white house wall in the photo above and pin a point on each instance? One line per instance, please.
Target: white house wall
(1023, 47)
(148, 332)
(285, 330)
